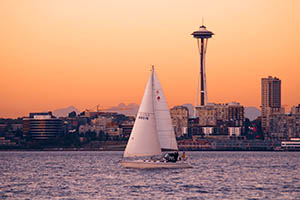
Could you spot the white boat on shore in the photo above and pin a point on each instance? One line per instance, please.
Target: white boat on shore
(152, 132)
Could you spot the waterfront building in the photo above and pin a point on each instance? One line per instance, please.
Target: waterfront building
(221, 116)
(16, 127)
(111, 124)
(3, 128)
(180, 120)
(90, 128)
(208, 114)
(6, 141)
(102, 121)
(42, 126)
(234, 131)
(126, 129)
(194, 130)
(208, 131)
(113, 131)
(285, 126)
(270, 101)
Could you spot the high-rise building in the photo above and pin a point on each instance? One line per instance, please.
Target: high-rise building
(202, 35)
(271, 92)
(270, 100)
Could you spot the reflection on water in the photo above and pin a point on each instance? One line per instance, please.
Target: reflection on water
(98, 175)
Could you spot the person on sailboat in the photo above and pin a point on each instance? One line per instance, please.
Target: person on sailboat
(172, 157)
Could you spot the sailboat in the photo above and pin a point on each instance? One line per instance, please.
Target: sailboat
(152, 132)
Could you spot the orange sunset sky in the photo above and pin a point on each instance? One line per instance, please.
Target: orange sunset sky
(58, 53)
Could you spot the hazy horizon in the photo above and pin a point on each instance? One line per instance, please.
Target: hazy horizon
(83, 53)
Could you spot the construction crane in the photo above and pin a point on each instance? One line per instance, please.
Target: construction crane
(96, 109)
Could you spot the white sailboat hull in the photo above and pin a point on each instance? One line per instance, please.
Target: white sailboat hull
(148, 164)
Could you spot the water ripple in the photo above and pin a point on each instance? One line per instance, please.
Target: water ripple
(98, 175)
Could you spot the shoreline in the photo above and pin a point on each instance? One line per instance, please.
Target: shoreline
(122, 149)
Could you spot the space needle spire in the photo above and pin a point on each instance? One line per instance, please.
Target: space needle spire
(202, 35)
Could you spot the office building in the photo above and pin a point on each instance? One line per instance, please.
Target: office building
(284, 126)
(42, 126)
(270, 100)
(221, 119)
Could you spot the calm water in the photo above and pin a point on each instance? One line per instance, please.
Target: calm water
(98, 175)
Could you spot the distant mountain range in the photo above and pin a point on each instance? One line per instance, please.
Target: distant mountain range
(63, 112)
(252, 113)
(131, 110)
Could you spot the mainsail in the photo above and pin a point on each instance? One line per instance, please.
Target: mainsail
(144, 140)
(164, 126)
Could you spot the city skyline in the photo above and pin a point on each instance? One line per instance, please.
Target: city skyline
(55, 54)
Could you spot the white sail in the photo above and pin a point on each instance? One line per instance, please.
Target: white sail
(164, 126)
(144, 140)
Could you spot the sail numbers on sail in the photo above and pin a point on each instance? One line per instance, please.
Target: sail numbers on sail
(144, 116)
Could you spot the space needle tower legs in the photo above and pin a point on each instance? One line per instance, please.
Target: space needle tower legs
(202, 36)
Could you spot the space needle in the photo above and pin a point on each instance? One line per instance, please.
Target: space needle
(202, 35)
